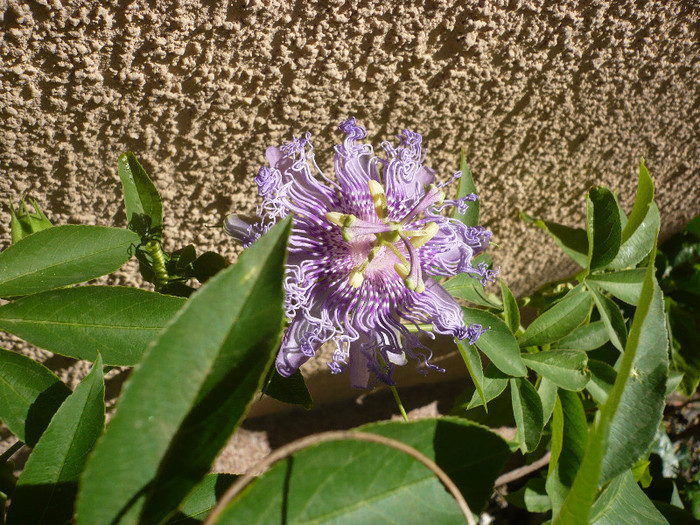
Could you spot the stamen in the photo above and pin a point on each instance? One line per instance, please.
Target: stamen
(402, 269)
(378, 198)
(430, 230)
(414, 280)
(336, 217)
(357, 275)
(356, 279)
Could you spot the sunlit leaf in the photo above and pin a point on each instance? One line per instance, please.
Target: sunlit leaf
(565, 368)
(472, 360)
(141, 197)
(189, 392)
(527, 410)
(586, 337)
(498, 342)
(560, 320)
(81, 322)
(510, 308)
(624, 502)
(466, 186)
(63, 255)
(625, 285)
(612, 318)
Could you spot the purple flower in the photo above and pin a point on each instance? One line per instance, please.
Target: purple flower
(362, 253)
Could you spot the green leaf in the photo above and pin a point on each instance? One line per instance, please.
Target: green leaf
(476, 371)
(625, 285)
(638, 246)
(557, 429)
(641, 473)
(602, 380)
(207, 266)
(47, 487)
(548, 395)
(624, 502)
(464, 286)
(466, 186)
(498, 342)
(531, 497)
(527, 410)
(349, 482)
(202, 500)
(560, 320)
(565, 368)
(569, 430)
(442, 440)
(290, 389)
(141, 197)
(30, 394)
(510, 308)
(63, 255)
(612, 318)
(640, 411)
(587, 337)
(602, 227)
(572, 241)
(216, 353)
(494, 383)
(642, 203)
(693, 226)
(674, 380)
(116, 322)
(577, 506)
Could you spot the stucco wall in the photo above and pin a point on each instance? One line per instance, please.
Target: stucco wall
(545, 99)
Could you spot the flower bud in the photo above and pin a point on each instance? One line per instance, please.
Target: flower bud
(23, 223)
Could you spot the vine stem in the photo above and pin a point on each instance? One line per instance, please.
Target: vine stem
(338, 435)
(521, 472)
(10, 451)
(398, 402)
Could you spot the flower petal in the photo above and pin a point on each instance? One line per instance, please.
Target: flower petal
(359, 370)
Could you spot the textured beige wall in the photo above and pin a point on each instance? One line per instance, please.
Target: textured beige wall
(547, 98)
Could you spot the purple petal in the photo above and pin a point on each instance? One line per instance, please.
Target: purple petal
(359, 369)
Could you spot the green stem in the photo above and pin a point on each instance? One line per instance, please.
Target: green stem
(398, 402)
(158, 261)
(415, 329)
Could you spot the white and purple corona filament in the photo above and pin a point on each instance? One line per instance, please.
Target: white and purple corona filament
(362, 253)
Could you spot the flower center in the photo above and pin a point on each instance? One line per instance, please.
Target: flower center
(387, 234)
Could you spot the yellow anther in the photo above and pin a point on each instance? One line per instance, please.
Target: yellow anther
(357, 275)
(428, 233)
(336, 218)
(356, 278)
(378, 198)
(402, 269)
(418, 287)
